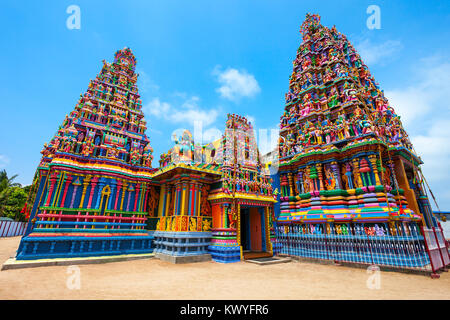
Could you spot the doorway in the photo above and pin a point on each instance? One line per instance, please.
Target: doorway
(253, 238)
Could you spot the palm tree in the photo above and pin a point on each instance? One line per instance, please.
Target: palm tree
(6, 184)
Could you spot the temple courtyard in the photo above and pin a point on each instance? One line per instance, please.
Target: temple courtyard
(155, 279)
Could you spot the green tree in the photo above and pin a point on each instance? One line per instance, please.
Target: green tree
(6, 187)
(14, 204)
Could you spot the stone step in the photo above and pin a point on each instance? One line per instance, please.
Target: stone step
(269, 260)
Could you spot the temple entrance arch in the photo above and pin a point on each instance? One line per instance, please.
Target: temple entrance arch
(253, 234)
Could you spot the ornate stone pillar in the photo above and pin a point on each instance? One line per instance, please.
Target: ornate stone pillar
(336, 173)
(101, 184)
(291, 192)
(320, 175)
(62, 178)
(130, 188)
(113, 194)
(119, 187)
(124, 190)
(348, 173)
(300, 181)
(86, 182)
(147, 190)
(199, 200)
(91, 193)
(53, 178)
(183, 199)
(76, 184)
(162, 198)
(391, 167)
(373, 162)
(356, 173)
(66, 187)
(137, 189)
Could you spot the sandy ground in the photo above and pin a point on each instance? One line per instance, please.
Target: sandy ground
(154, 279)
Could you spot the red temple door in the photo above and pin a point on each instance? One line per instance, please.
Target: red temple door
(255, 230)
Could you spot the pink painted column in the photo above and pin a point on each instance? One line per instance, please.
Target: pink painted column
(138, 187)
(66, 187)
(128, 200)
(53, 178)
(145, 199)
(91, 194)
(119, 187)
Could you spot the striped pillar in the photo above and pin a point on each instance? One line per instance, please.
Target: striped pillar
(373, 162)
(356, 173)
(66, 187)
(101, 184)
(91, 194)
(141, 197)
(168, 198)
(74, 194)
(291, 192)
(138, 187)
(144, 209)
(193, 201)
(83, 195)
(62, 177)
(50, 189)
(124, 190)
(119, 187)
(199, 200)
(320, 175)
(162, 198)
(129, 198)
(336, 173)
(183, 199)
(175, 200)
(113, 192)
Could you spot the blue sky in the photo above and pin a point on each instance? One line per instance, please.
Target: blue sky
(199, 60)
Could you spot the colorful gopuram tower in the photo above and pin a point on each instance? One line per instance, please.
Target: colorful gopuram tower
(93, 182)
(351, 186)
(215, 200)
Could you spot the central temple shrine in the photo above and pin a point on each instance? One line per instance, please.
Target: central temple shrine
(349, 186)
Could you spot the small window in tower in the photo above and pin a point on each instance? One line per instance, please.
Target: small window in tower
(213, 153)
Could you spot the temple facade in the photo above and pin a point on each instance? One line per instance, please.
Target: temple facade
(94, 178)
(350, 180)
(347, 187)
(216, 199)
(97, 194)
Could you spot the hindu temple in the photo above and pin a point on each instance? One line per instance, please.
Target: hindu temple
(348, 186)
(350, 180)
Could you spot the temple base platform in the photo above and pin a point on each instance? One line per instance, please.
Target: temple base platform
(50, 247)
(13, 263)
(179, 244)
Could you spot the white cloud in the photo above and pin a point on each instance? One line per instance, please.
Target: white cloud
(156, 108)
(188, 112)
(424, 108)
(236, 83)
(374, 53)
(434, 148)
(428, 97)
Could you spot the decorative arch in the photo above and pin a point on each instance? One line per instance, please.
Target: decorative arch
(106, 192)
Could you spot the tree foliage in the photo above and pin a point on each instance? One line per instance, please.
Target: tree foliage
(12, 197)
